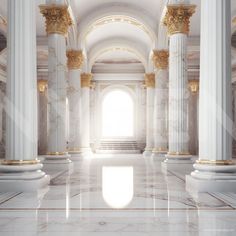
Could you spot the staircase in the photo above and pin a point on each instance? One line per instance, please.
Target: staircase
(113, 147)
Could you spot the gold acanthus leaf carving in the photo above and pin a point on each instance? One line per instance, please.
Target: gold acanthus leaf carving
(160, 59)
(42, 85)
(58, 19)
(193, 85)
(149, 80)
(177, 18)
(86, 80)
(75, 59)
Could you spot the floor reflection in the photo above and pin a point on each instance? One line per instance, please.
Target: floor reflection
(118, 186)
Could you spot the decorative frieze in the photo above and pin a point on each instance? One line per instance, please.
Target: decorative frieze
(86, 79)
(149, 80)
(193, 85)
(75, 59)
(160, 59)
(177, 18)
(58, 19)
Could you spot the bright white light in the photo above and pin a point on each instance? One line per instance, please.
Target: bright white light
(118, 115)
(117, 186)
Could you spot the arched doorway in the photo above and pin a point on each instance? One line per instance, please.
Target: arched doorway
(117, 115)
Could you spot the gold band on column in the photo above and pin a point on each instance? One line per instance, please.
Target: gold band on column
(178, 153)
(149, 80)
(215, 162)
(159, 150)
(57, 17)
(75, 59)
(56, 153)
(160, 59)
(86, 80)
(20, 162)
(177, 18)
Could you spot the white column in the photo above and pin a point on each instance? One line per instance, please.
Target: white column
(177, 20)
(85, 114)
(234, 119)
(150, 87)
(42, 116)
(160, 59)
(57, 82)
(215, 171)
(74, 63)
(21, 171)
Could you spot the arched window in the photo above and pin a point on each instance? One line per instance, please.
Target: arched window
(117, 115)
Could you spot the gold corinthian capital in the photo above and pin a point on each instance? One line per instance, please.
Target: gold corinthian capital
(160, 59)
(75, 59)
(86, 80)
(42, 85)
(149, 80)
(57, 18)
(193, 85)
(177, 18)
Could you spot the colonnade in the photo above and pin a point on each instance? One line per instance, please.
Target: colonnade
(167, 97)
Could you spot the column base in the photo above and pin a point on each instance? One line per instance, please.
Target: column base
(22, 178)
(86, 153)
(212, 178)
(147, 152)
(177, 163)
(159, 155)
(57, 159)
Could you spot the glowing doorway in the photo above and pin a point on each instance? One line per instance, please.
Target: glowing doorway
(117, 115)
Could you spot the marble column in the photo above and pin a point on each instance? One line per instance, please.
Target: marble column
(74, 63)
(150, 90)
(160, 61)
(21, 171)
(177, 20)
(57, 24)
(193, 116)
(85, 115)
(215, 170)
(42, 116)
(234, 119)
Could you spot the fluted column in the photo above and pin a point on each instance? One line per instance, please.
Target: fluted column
(74, 63)
(85, 114)
(42, 116)
(160, 60)
(215, 170)
(21, 171)
(177, 20)
(57, 23)
(150, 87)
(193, 85)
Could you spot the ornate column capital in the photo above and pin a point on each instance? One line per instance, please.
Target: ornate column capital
(75, 59)
(86, 79)
(177, 18)
(42, 85)
(161, 59)
(193, 85)
(149, 80)
(57, 17)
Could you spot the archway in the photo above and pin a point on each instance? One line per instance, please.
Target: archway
(117, 115)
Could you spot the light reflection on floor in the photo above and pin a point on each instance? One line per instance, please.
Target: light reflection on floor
(90, 199)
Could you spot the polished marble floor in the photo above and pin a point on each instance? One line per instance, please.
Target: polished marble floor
(116, 195)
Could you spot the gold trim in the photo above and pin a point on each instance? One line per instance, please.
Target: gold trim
(215, 162)
(159, 150)
(149, 80)
(86, 79)
(177, 18)
(42, 85)
(56, 153)
(193, 85)
(75, 59)
(20, 162)
(161, 59)
(58, 19)
(179, 154)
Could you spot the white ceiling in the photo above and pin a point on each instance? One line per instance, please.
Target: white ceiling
(145, 12)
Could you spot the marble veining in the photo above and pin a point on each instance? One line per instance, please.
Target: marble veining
(74, 203)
